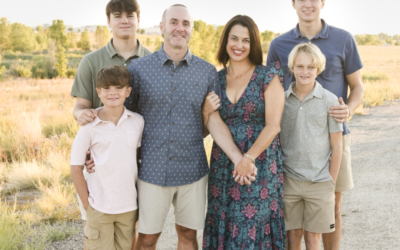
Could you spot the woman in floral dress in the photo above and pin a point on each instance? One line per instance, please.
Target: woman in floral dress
(252, 101)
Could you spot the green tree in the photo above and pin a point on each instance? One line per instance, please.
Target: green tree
(148, 41)
(22, 38)
(389, 40)
(204, 41)
(5, 30)
(42, 38)
(396, 37)
(2, 68)
(61, 64)
(58, 34)
(84, 43)
(102, 36)
(383, 36)
(157, 42)
(71, 40)
(267, 36)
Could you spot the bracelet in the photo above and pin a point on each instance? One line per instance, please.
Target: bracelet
(349, 110)
(250, 157)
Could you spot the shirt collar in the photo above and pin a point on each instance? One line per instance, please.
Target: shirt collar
(317, 90)
(164, 57)
(124, 116)
(322, 34)
(139, 52)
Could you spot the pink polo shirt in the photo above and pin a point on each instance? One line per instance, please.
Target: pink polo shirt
(112, 187)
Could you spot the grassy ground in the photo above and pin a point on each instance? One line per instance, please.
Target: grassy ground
(36, 134)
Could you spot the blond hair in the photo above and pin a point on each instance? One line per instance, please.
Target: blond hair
(312, 50)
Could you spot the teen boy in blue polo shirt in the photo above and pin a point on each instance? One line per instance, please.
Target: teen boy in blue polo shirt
(343, 66)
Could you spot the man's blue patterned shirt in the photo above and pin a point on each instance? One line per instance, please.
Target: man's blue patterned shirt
(170, 98)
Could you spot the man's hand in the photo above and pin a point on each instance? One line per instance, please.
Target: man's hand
(89, 163)
(86, 116)
(340, 113)
(245, 171)
(211, 103)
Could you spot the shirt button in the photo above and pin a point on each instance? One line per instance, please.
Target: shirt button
(172, 141)
(175, 71)
(124, 64)
(301, 107)
(173, 123)
(174, 88)
(173, 106)
(170, 158)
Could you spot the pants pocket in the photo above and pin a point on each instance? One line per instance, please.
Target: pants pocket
(92, 238)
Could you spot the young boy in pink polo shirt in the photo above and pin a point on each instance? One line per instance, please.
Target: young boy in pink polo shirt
(109, 195)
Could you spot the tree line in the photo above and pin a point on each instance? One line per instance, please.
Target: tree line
(381, 38)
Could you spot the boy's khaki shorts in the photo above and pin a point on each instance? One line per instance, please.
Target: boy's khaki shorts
(344, 180)
(309, 205)
(155, 201)
(109, 231)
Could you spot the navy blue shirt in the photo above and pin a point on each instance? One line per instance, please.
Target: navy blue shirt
(170, 97)
(339, 48)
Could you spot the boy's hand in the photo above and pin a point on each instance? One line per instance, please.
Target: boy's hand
(341, 112)
(211, 103)
(89, 163)
(86, 116)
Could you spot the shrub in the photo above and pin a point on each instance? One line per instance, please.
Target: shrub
(22, 71)
(71, 72)
(29, 175)
(373, 77)
(265, 46)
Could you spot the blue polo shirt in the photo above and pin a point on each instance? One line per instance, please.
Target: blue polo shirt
(170, 97)
(339, 48)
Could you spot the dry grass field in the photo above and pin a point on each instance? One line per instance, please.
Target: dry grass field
(37, 130)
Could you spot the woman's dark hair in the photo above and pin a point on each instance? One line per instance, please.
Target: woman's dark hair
(255, 56)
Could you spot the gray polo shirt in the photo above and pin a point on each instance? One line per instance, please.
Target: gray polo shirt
(339, 48)
(85, 79)
(304, 136)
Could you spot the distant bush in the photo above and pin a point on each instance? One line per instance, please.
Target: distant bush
(43, 67)
(22, 71)
(265, 46)
(373, 77)
(71, 72)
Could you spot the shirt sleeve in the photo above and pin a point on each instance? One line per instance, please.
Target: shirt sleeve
(80, 145)
(352, 61)
(272, 54)
(213, 83)
(334, 126)
(131, 103)
(273, 69)
(83, 86)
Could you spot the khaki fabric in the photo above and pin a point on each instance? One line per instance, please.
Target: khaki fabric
(85, 79)
(344, 180)
(109, 231)
(309, 205)
(189, 203)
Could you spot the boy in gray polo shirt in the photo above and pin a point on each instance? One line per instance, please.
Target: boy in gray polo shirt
(311, 150)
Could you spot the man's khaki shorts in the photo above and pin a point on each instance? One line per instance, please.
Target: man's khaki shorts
(155, 201)
(344, 180)
(109, 231)
(309, 205)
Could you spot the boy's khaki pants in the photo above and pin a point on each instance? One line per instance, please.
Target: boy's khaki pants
(109, 231)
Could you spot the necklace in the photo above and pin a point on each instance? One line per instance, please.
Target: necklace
(241, 74)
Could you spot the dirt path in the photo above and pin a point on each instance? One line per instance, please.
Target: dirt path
(371, 211)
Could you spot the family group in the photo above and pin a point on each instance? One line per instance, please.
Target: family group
(281, 153)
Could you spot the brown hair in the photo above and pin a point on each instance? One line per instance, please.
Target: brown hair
(128, 6)
(113, 76)
(255, 56)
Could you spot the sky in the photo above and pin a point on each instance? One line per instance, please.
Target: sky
(355, 16)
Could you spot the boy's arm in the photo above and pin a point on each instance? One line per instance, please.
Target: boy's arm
(336, 156)
(80, 184)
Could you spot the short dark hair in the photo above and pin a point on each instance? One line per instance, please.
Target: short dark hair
(128, 6)
(255, 56)
(113, 76)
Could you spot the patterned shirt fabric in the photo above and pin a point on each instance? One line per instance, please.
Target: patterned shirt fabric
(305, 129)
(246, 217)
(112, 187)
(170, 98)
(339, 48)
(85, 79)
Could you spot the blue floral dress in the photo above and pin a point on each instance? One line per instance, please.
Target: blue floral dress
(246, 217)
